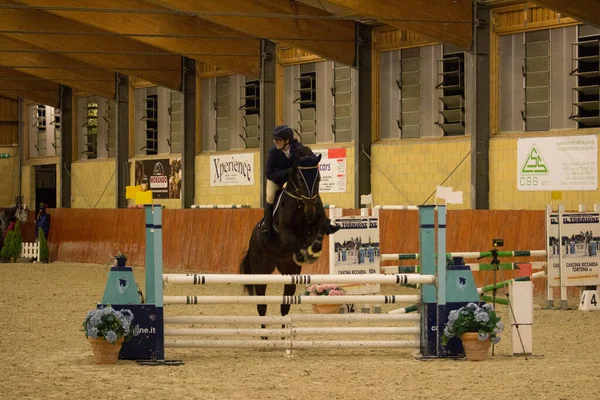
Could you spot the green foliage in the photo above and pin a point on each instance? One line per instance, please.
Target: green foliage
(472, 318)
(44, 252)
(5, 253)
(17, 241)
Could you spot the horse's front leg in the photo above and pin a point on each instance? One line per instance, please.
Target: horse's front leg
(314, 250)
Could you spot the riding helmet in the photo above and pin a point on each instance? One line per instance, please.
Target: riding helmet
(283, 132)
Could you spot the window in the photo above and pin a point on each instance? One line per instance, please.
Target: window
(40, 128)
(150, 124)
(409, 84)
(96, 124)
(537, 81)
(223, 112)
(342, 99)
(57, 130)
(91, 130)
(175, 139)
(230, 113)
(306, 98)
(250, 101)
(416, 86)
(319, 100)
(451, 73)
(586, 62)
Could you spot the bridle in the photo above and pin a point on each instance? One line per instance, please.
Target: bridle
(297, 194)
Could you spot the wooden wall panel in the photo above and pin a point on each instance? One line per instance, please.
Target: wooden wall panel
(215, 240)
(9, 121)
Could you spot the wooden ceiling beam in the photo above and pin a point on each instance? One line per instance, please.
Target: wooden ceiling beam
(99, 82)
(219, 45)
(332, 39)
(581, 10)
(455, 16)
(163, 70)
(26, 85)
(46, 98)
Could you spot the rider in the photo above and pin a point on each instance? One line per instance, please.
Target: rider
(279, 163)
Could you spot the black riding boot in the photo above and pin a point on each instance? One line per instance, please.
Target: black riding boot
(265, 228)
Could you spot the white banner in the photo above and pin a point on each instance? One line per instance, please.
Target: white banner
(356, 251)
(333, 170)
(579, 246)
(232, 170)
(557, 163)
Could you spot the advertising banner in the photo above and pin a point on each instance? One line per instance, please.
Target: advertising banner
(333, 170)
(557, 163)
(579, 245)
(232, 170)
(163, 177)
(357, 251)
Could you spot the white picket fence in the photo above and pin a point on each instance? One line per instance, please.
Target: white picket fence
(31, 250)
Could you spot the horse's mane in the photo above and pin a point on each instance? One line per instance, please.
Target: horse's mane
(305, 157)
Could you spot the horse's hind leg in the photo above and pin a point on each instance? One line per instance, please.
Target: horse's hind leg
(260, 290)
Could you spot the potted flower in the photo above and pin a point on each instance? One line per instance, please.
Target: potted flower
(107, 329)
(325, 290)
(121, 259)
(476, 327)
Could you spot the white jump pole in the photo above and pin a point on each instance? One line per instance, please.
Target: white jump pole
(390, 299)
(294, 331)
(201, 279)
(287, 320)
(287, 344)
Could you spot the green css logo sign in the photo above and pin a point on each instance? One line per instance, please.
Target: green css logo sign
(534, 165)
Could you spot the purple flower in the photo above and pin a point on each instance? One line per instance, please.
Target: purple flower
(111, 336)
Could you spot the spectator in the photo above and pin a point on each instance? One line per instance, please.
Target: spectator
(42, 221)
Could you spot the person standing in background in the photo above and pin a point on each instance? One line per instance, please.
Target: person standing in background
(42, 221)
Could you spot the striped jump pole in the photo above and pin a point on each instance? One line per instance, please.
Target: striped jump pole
(361, 299)
(293, 331)
(289, 344)
(411, 269)
(229, 206)
(205, 279)
(468, 254)
(289, 319)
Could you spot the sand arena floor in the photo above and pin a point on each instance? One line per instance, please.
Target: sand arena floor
(46, 356)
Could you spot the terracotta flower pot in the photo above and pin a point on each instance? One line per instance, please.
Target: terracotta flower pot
(475, 349)
(104, 351)
(326, 308)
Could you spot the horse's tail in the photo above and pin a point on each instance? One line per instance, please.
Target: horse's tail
(246, 269)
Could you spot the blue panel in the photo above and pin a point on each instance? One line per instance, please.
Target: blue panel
(143, 344)
(427, 250)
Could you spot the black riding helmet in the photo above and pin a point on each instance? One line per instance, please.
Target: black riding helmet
(283, 132)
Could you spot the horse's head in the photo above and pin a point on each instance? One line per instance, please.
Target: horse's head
(22, 212)
(305, 179)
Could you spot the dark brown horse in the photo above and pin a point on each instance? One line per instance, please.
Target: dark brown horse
(299, 223)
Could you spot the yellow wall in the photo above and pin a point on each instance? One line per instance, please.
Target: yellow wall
(416, 167)
(89, 179)
(9, 178)
(503, 181)
(207, 194)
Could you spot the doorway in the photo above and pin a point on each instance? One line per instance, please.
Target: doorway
(45, 186)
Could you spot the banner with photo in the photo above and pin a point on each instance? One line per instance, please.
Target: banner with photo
(356, 251)
(163, 177)
(557, 163)
(332, 169)
(579, 245)
(232, 170)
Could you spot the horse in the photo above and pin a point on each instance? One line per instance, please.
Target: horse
(299, 225)
(18, 211)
